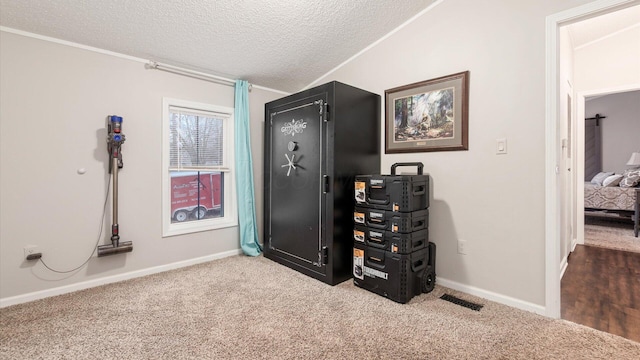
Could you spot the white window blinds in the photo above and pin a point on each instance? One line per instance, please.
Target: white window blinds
(196, 139)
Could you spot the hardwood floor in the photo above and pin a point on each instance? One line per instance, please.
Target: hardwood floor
(601, 289)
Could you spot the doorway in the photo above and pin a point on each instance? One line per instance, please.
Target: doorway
(610, 119)
(558, 197)
(600, 285)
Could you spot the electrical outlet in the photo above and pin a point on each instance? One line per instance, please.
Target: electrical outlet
(462, 247)
(30, 250)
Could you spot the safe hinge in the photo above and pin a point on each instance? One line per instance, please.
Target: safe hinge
(325, 184)
(325, 255)
(326, 112)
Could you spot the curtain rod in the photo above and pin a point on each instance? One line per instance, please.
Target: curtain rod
(191, 73)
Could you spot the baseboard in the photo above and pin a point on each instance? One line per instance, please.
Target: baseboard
(499, 298)
(563, 266)
(14, 300)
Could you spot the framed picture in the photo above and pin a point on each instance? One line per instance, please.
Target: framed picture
(431, 115)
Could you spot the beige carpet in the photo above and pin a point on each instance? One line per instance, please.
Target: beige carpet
(610, 232)
(253, 308)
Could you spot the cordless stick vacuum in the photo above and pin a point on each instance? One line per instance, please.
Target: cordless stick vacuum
(114, 142)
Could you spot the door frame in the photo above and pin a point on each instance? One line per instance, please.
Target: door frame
(553, 150)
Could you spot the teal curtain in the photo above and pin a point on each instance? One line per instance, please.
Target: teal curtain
(244, 173)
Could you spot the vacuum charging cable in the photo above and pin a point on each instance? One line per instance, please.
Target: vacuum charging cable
(102, 219)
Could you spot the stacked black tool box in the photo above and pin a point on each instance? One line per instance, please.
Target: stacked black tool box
(392, 255)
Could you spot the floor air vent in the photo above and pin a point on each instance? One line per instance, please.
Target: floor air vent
(458, 301)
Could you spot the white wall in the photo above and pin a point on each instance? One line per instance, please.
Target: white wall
(53, 103)
(602, 67)
(494, 202)
(609, 63)
(621, 128)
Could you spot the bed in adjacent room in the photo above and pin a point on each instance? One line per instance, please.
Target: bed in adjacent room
(615, 193)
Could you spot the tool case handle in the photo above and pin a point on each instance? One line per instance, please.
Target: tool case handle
(419, 165)
(377, 202)
(376, 225)
(418, 265)
(384, 201)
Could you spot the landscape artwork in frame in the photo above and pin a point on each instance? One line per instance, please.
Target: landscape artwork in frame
(431, 115)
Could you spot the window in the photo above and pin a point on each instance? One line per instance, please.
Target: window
(197, 167)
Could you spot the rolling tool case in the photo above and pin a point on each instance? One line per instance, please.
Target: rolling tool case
(401, 193)
(392, 255)
(389, 241)
(398, 277)
(391, 221)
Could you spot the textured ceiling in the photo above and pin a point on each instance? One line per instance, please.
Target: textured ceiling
(280, 44)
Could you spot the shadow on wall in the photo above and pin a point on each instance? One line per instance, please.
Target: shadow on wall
(108, 263)
(442, 232)
(101, 153)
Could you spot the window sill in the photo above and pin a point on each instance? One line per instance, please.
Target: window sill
(187, 228)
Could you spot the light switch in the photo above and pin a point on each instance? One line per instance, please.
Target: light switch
(501, 146)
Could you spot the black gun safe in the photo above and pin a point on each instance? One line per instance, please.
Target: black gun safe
(316, 142)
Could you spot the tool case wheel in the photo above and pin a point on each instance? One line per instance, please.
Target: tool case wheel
(428, 279)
